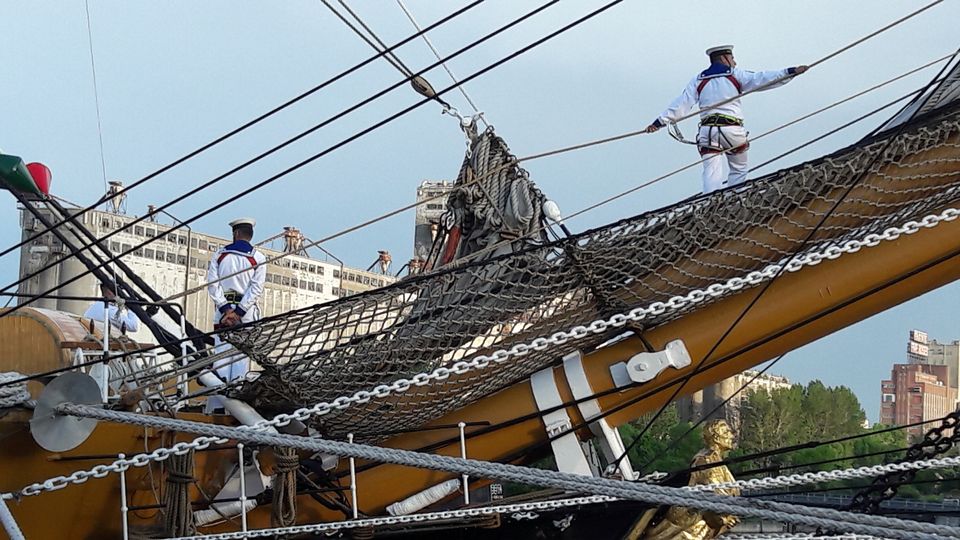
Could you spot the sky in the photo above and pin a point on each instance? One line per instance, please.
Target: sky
(171, 76)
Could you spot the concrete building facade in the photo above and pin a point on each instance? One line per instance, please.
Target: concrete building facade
(431, 193)
(178, 261)
(694, 406)
(916, 393)
(923, 350)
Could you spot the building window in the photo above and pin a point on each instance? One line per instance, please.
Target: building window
(366, 280)
(125, 247)
(171, 258)
(138, 230)
(105, 223)
(320, 287)
(148, 253)
(193, 243)
(311, 286)
(115, 247)
(150, 232)
(312, 269)
(160, 255)
(320, 270)
(336, 274)
(285, 281)
(303, 284)
(203, 244)
(182, 259)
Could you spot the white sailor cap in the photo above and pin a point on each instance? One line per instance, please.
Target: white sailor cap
(728, 49)
(243, 221)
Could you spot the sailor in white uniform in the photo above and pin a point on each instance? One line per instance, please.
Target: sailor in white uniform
(721, 127)
(235, 296)
(120, 318)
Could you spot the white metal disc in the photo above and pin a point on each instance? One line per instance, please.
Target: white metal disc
(59, 433)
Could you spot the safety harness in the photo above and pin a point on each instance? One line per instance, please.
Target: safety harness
(714, 121)
(231, 296)
(729, 76)
(249, 258)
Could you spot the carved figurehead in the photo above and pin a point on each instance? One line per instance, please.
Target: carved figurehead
(687, 523)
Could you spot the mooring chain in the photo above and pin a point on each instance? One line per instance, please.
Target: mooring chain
(600, 326)
(644, 492)
(936, 441)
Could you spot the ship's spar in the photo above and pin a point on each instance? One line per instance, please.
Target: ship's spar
(698, 250)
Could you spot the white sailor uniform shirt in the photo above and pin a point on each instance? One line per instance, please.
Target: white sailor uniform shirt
(239, 292)
(719, 83)
(121, 320)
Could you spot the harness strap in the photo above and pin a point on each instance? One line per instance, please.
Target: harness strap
(733, 80)
(250, 259)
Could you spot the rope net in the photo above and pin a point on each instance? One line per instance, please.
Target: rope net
(444, 316)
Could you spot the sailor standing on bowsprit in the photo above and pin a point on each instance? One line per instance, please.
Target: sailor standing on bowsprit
(236, 278)
(721, 127)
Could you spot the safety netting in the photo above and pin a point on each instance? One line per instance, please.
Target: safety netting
(440, 317)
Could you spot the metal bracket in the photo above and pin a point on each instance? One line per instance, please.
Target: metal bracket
(645, 367)
(611, 444)
(566, 449)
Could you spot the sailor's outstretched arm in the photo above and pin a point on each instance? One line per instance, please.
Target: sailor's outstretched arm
(751, 81)
(680, 107)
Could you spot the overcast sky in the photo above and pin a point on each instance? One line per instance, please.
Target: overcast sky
(174, 75)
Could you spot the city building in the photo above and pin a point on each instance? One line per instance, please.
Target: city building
(178, 261)
(922, 350)
(693, 407)
(916, 393)
(427, 219)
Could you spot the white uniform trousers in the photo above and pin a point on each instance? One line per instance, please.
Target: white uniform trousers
(723, 169)
(229, 368)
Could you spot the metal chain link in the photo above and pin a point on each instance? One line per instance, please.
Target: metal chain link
(500, 356)
(935, 442)
(777, 482)
(797, 536)
(649, 493)
(522, 508)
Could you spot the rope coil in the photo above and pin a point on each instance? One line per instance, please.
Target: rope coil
(14, 394)
(284, 511)
(178, 513)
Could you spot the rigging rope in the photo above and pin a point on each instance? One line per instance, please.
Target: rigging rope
(178, 513)
(401, 386)
(391, 57)
(891, 25)
(13, 389)
(704, 417)
(96, 95)
(284, 510)
(436, 53)
(329, 149)
(245, 126)
(810, 236)
(610, 199)
(737, 97)
(700, 497)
